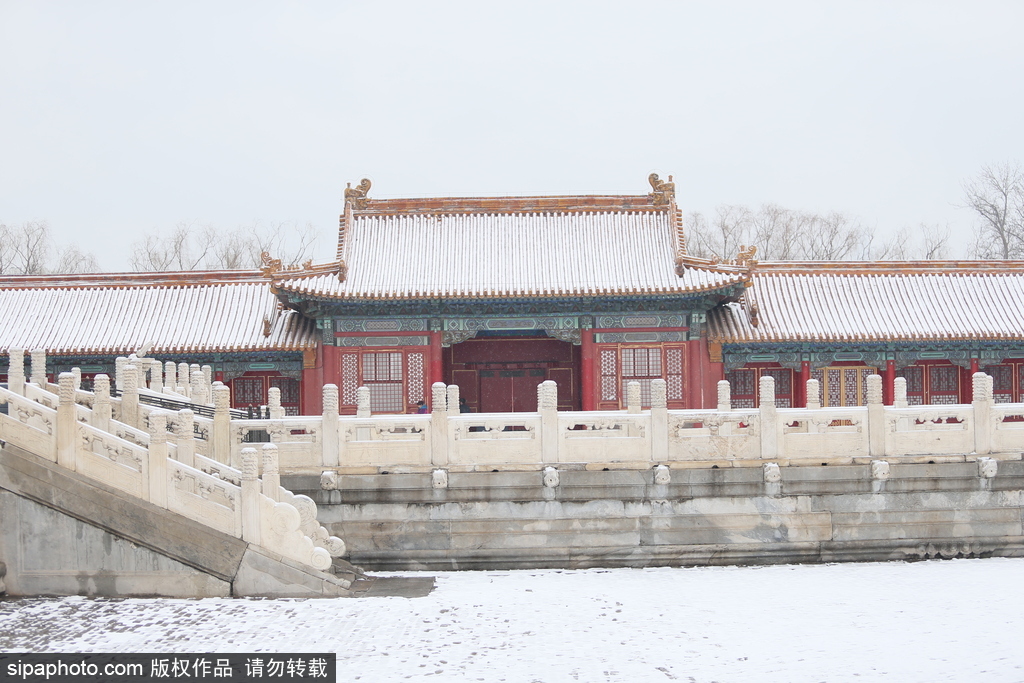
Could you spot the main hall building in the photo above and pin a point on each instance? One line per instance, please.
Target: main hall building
(499, 294)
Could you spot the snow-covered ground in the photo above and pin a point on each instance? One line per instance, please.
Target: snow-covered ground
(960, 620)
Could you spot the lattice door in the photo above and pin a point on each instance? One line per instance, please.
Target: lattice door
(844, 386)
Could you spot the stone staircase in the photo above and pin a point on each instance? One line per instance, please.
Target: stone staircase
(95, 506)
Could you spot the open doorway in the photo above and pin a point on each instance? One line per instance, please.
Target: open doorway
(501, 374)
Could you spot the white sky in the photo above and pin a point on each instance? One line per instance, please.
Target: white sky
(117, 119)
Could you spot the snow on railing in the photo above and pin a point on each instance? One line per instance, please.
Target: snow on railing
(139, 460)
(636, 436)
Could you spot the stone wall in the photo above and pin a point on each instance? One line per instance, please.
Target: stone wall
(578, 517)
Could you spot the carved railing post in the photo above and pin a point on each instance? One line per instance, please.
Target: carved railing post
(724, 395)
(271, 475)
(183, 380)
(813, 394)
(633, 404)
(158, 459)
(197, 387)
(452, 398)
(67, 423)
(39, 367)
(171, 377)
(222, 425)
(250, 494)
(439, 424)
(130, 396)
(659, 420)
(769, 418)
(207, 378)
(156, 376)
(274, 403)
(119, 364)
(876, 417)
(452, 403)
(899, 392)
(547, 406)
(193, 367)
(982, 403)
(363, 402)
(330, 436)
(101, 403)
(76, 373)
(186, 437)
(140, 367)
(16, 371)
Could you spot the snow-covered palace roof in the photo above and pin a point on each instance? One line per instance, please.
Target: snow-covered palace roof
(189, 312)
(803, 301)
(469, 248)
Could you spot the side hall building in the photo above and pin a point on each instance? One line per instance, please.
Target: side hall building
(499, 294)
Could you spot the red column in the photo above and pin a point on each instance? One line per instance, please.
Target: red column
(889, 382)
(710, 374)
(694, 374)
(312, 391)
(587, 369)
(436, 365)
(974, 366)
(322, 370)
(800, 400)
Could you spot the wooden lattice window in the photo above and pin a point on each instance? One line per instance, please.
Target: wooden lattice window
(253, 390)
(1007, 381)
(944, 384)
(349, 378)
(674, 383)
(289, 393)
(609, 375)
(1002, 383)
(744, 386)
(932, 384)
(248, 391)
(382, 374)
(844, 385)
(641, 365)
(416, 363)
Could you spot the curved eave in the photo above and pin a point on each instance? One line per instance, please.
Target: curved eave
(726, 290)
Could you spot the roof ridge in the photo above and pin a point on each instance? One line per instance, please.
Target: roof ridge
(110, 280)
(510, 204)
(851, 268)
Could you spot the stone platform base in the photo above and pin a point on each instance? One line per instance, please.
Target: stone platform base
(623, 518)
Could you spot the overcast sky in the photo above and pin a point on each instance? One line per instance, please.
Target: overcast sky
(118, 119)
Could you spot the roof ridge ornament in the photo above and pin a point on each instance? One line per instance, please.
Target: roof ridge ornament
(745, 257)
(357, 195)
(271, 266)
(664, 191)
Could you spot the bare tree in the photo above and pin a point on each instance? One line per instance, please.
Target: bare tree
(6, 250)
(722, 236)
(996, 196)
(898, 247)
(834, 237)
(290, 242)
(782, 234)
(71, 259)
(934, 242)
(28, 249)
(778, 233)
(191, 245)
(187, 247)
(31, 248)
